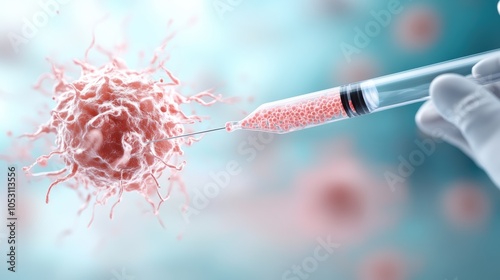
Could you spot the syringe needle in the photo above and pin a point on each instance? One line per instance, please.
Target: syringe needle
(189, 134)
(352, 100)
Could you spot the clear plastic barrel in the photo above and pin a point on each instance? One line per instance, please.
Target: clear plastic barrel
(353, 100)
(413, 86)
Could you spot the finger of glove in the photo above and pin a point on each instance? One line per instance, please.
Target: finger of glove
(487, 67)
(475, 111)
(433, 124)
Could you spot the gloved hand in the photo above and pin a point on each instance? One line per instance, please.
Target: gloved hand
(467, 115)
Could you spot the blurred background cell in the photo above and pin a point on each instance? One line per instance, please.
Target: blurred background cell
(466, 206)
(418, 27)
(385, 265)
(341, 196)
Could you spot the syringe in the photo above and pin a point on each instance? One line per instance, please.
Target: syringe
(355, 99)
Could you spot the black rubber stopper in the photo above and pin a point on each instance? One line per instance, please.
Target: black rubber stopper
(359, 106)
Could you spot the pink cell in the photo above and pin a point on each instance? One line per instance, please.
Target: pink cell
(417, 28)
(466, 206)
(343, 198)
(385, 265)
(105, 120)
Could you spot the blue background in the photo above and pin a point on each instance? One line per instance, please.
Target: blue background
(259, 51)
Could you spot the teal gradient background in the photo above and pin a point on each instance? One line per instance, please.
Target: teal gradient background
(257, 51)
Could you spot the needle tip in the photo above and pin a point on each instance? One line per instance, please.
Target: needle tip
(232, 126)
(186, 135)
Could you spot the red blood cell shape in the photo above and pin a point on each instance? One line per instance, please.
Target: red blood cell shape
(105, 120)
(417, 28)
(295, 113)
(466, 206)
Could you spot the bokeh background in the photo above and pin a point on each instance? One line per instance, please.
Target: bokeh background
(292, 190)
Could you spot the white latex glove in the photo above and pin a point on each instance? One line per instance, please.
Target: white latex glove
(467, 115)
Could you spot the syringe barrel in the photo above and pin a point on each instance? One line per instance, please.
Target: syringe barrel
(405, 87)
(294, 113)
(356, 99)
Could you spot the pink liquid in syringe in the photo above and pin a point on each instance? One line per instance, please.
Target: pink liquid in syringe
(294, 113)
